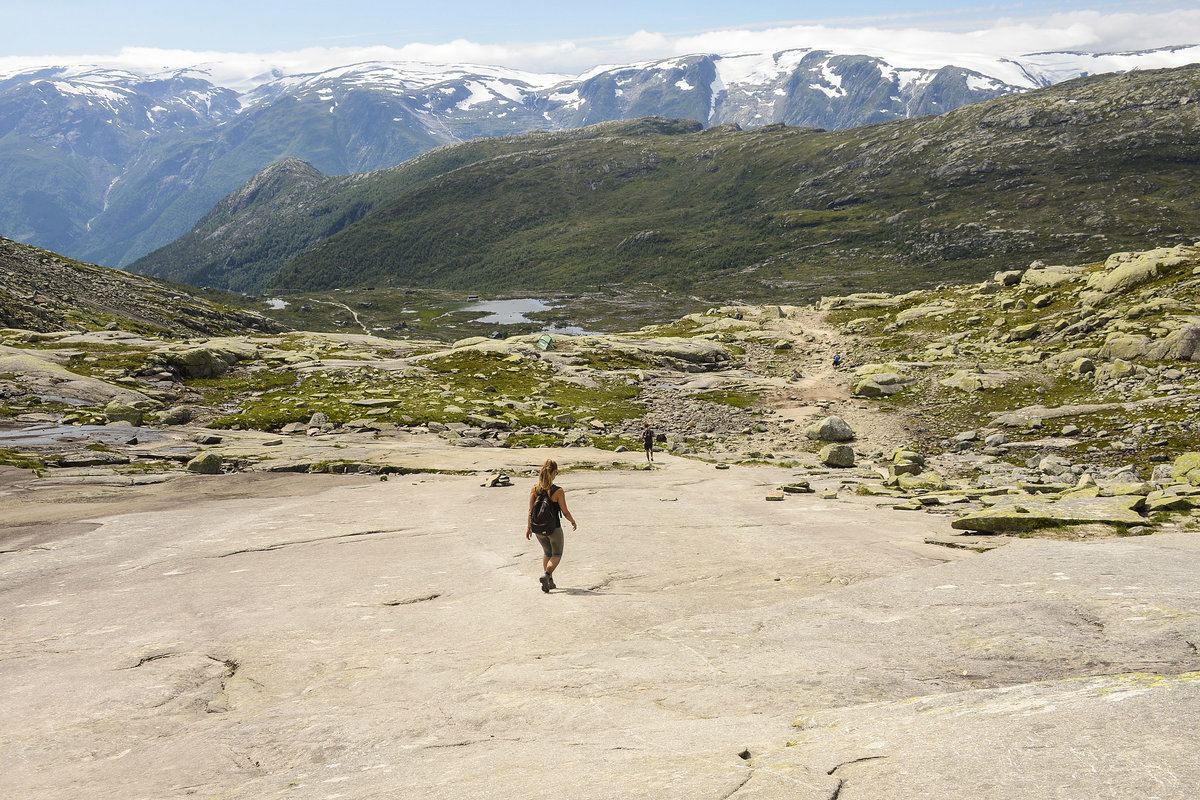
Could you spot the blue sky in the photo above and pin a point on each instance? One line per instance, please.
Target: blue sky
(569, 36)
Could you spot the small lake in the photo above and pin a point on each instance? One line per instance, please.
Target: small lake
(275, 304)
(514, 312)
(508, 312)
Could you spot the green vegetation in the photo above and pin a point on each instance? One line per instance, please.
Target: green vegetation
(13, 458)
(459, 386)
(731, 398)
(724, 212)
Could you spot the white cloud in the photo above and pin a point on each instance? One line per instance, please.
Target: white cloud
(1089, 31)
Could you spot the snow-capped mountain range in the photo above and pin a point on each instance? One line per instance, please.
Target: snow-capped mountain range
(106, 165)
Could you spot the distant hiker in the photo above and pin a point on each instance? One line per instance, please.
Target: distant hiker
(547, 502)
(648, 442)
(837, 360)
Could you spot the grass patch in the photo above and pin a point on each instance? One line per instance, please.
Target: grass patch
(13, 458)
(731, 398)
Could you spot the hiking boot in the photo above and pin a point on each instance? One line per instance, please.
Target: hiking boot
(550, 580)
(545, 579)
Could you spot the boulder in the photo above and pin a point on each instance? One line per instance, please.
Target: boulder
(179, 415)
(860, 300)
(837, 455)
(1172, 503)
(1114, 371)
(213, 358)
(1126, 346)
(1054, 465)
(205, 464)
(1182, 344)
(1187, 468)
(1023, 333)
(1045, 277)
(488, 423)
(1083, 366)
(117, 411)
(1125, 271)
(685, 355)
(922, 482)
(874, 387)
(830, 429)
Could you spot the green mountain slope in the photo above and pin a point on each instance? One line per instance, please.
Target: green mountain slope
(44, 292)
(1068, 173)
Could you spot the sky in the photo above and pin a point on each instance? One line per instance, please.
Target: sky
(560, 37)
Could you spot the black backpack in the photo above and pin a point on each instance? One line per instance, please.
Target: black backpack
(544, 516)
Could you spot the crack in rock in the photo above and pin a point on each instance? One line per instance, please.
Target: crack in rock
(281, 545)
(740, 786)
(854, 761)
(147, 659)
(412, 600)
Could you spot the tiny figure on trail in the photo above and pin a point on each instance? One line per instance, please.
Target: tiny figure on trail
(837, 360)
(547, 503)
(648, 442)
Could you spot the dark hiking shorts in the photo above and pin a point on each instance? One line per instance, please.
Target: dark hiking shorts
(552, 543)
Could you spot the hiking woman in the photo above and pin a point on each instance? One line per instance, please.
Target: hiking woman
(543, 520)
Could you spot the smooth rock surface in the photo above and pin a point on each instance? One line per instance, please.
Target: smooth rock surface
(255, 635)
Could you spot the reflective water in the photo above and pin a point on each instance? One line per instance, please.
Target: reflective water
(508, 312)
(513, 312)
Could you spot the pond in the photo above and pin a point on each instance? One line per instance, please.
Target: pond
(514, 312)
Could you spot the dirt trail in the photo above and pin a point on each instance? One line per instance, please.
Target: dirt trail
(820, 389)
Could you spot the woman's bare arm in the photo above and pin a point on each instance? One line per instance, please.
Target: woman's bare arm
(560, 497)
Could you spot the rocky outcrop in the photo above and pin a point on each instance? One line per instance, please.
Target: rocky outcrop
(210, 359)
(1030, 514)
(830, 429)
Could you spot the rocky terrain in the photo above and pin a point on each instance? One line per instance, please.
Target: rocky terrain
(43, 292)
(959, 562)
(1045, 397)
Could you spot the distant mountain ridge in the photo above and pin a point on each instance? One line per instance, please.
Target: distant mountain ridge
(1071, 172)
(107, 165)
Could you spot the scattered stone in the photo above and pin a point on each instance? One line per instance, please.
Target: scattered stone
(996, 440)
(837, 455)
(117, 411)
(205, 464)
(179, 415)
(204, 437)
(775, 497)
(830, 429)
(498, 479)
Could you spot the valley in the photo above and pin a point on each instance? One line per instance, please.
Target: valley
(280, 561)
(920, 520)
